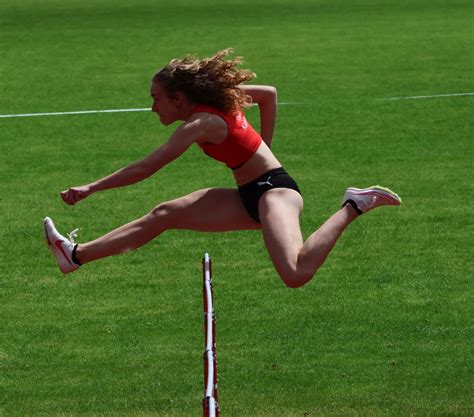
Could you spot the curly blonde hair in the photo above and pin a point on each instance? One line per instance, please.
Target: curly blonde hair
(210, 81)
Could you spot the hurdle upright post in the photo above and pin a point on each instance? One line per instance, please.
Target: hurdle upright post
(210, 405)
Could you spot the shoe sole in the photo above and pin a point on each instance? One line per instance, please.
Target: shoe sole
(386, 193)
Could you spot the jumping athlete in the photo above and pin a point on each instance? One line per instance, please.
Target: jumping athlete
(208, 95)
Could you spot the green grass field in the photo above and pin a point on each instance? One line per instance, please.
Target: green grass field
(384, 330)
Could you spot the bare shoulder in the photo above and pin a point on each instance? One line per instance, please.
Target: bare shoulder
(211, 127)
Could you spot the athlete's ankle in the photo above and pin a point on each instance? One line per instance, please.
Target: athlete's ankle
(350, 210)
(76, 256)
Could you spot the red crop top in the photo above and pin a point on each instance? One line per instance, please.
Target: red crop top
(241, 143)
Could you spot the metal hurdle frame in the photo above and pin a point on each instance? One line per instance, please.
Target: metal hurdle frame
(210, 405)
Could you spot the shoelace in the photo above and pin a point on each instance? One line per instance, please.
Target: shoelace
(73, 235)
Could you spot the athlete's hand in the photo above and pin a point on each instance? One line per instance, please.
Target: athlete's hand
(76, 194)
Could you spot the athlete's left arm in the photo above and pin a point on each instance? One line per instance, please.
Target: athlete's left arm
(266, 98)
(183, 137)
(191, 131)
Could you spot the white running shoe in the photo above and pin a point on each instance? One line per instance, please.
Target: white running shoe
(365, 199)
(61, 247)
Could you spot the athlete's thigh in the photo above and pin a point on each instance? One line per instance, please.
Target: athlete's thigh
(279, 211)
(209, 210)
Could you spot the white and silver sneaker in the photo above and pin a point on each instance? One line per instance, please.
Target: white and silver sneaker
(61, 247)
(365, 199)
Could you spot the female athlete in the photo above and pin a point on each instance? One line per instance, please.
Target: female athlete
(208, 96)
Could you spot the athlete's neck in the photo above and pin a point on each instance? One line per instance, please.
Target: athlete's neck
(186, 110)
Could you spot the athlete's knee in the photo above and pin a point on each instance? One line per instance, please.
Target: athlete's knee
(296, 278)
(160, 210)
(162, 214)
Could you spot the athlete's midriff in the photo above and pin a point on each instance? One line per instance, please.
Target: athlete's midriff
(241, 143)
(259, 163)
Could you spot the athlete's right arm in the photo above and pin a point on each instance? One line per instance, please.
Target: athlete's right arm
(265, 96)
(184, 136)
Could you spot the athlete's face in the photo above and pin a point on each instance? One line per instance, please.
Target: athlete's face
(165, 107)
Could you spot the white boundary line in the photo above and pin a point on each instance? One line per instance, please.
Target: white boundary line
(5, 116)
(424, 97)
(72, 112)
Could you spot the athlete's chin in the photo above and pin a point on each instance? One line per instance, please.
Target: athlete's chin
(163, 121)
(166, 122)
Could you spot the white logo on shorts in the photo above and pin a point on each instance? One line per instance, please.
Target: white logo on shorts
(265, 182)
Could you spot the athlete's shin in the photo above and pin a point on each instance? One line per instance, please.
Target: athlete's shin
(126, 238)
(317, 247)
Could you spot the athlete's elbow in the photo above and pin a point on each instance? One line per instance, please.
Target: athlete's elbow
(272, 94)
(267, 96)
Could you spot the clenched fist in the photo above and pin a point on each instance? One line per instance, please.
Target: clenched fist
(76, 194)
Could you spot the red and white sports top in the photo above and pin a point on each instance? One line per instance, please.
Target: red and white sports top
(241, 143)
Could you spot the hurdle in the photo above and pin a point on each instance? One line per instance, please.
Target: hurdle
(210, 405)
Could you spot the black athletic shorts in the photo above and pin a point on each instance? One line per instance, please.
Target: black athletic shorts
(251, 192)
